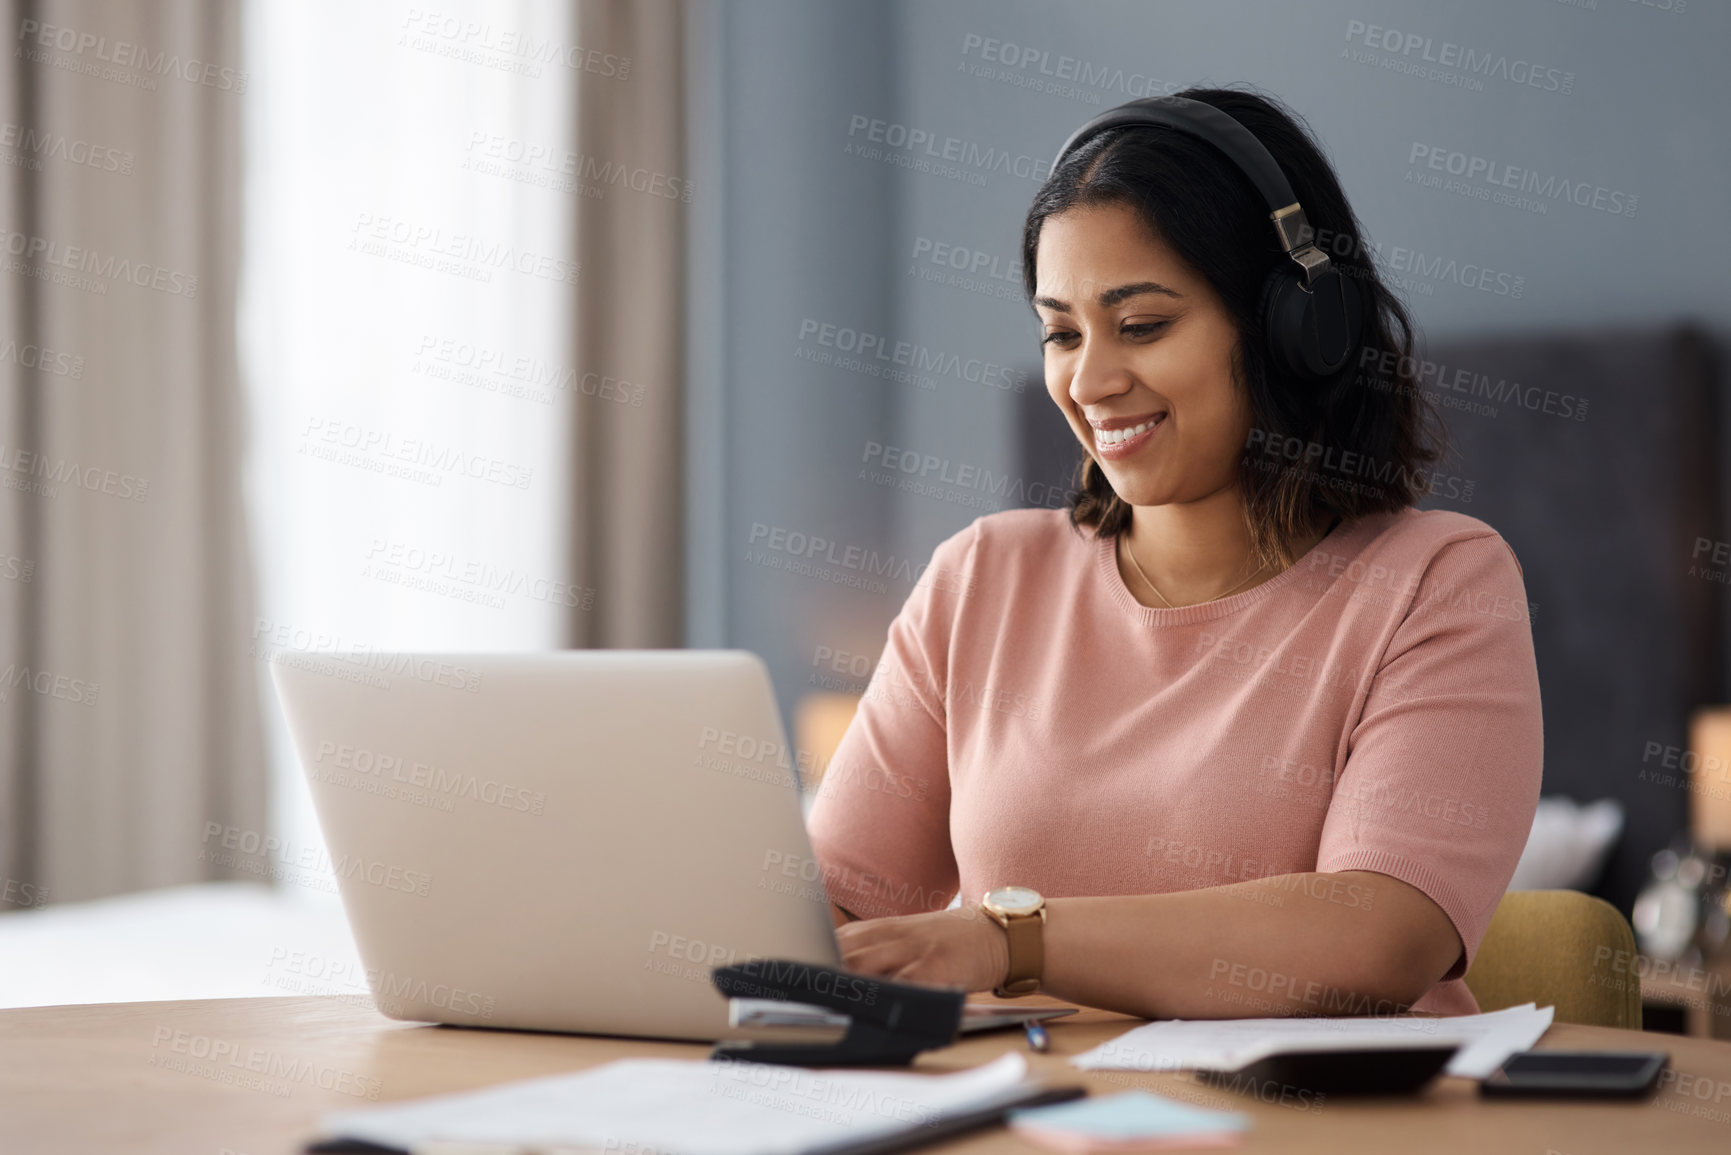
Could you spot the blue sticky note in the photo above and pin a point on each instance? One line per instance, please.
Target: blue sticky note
(1130, 1115)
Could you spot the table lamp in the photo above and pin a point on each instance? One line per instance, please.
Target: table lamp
(1683, 911)
(1709, 768)
(819, 721)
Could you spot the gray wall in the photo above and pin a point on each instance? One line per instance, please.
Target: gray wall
(797, 229)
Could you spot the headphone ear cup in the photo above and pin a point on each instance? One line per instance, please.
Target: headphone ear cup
(1273, 290)
(1339, 324)
(1311, 333)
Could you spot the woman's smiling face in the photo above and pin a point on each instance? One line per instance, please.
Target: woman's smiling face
(1138, 353)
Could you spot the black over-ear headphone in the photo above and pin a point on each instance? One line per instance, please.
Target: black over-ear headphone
(1311, 312)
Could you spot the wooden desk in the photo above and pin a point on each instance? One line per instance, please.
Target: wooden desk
(125, 1078)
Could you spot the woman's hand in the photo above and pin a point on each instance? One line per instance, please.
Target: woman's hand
(962, 947)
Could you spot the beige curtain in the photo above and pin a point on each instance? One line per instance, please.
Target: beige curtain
(626, 519)
(130, 719)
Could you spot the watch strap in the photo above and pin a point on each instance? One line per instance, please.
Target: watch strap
(1026, 938)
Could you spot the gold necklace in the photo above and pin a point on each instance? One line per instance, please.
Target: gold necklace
(1138, 568)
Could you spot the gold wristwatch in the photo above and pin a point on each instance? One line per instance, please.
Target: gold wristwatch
(1022, 913)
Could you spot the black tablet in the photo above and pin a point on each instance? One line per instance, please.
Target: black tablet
(1373, 1069)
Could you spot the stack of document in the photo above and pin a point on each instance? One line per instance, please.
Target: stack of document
(691, 1107)
(1228, 1044)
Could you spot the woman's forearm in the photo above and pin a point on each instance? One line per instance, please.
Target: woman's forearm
(1351, 942)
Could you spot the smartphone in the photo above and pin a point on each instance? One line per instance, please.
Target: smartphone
(1577, 1074)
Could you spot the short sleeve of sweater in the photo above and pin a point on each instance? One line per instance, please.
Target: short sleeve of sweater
(1443, 766)
(879, 822)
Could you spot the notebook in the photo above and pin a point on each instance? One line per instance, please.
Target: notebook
(1227, 1044)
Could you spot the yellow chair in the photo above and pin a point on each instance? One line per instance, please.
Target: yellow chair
(1559, 948)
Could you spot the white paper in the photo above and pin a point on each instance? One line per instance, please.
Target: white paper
(777, 1013)
(684, 1107)
(1227, 1044)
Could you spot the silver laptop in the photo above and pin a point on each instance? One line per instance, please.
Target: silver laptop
(561, 841)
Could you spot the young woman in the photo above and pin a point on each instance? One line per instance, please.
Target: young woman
(1243, 732)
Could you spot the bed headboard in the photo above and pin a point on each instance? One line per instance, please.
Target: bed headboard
(1602, 509)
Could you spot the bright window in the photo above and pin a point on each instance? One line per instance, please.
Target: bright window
(403, 332)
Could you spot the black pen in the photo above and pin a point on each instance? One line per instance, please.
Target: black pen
(1038, 1040)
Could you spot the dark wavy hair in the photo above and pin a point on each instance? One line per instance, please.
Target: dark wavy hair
(1371, 416)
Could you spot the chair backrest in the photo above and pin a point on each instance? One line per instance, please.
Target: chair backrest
(1559, 948)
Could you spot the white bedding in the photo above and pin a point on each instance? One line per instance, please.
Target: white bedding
(205, 941)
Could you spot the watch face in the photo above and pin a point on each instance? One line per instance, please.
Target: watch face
(1014, 899)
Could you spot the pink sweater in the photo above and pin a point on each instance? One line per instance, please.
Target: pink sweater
(1373, 707)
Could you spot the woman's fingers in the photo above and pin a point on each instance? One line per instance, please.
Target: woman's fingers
(934, 947)
(876, 958)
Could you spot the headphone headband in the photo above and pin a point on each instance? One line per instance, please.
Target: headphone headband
(1311, 314)
(1238, 144)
